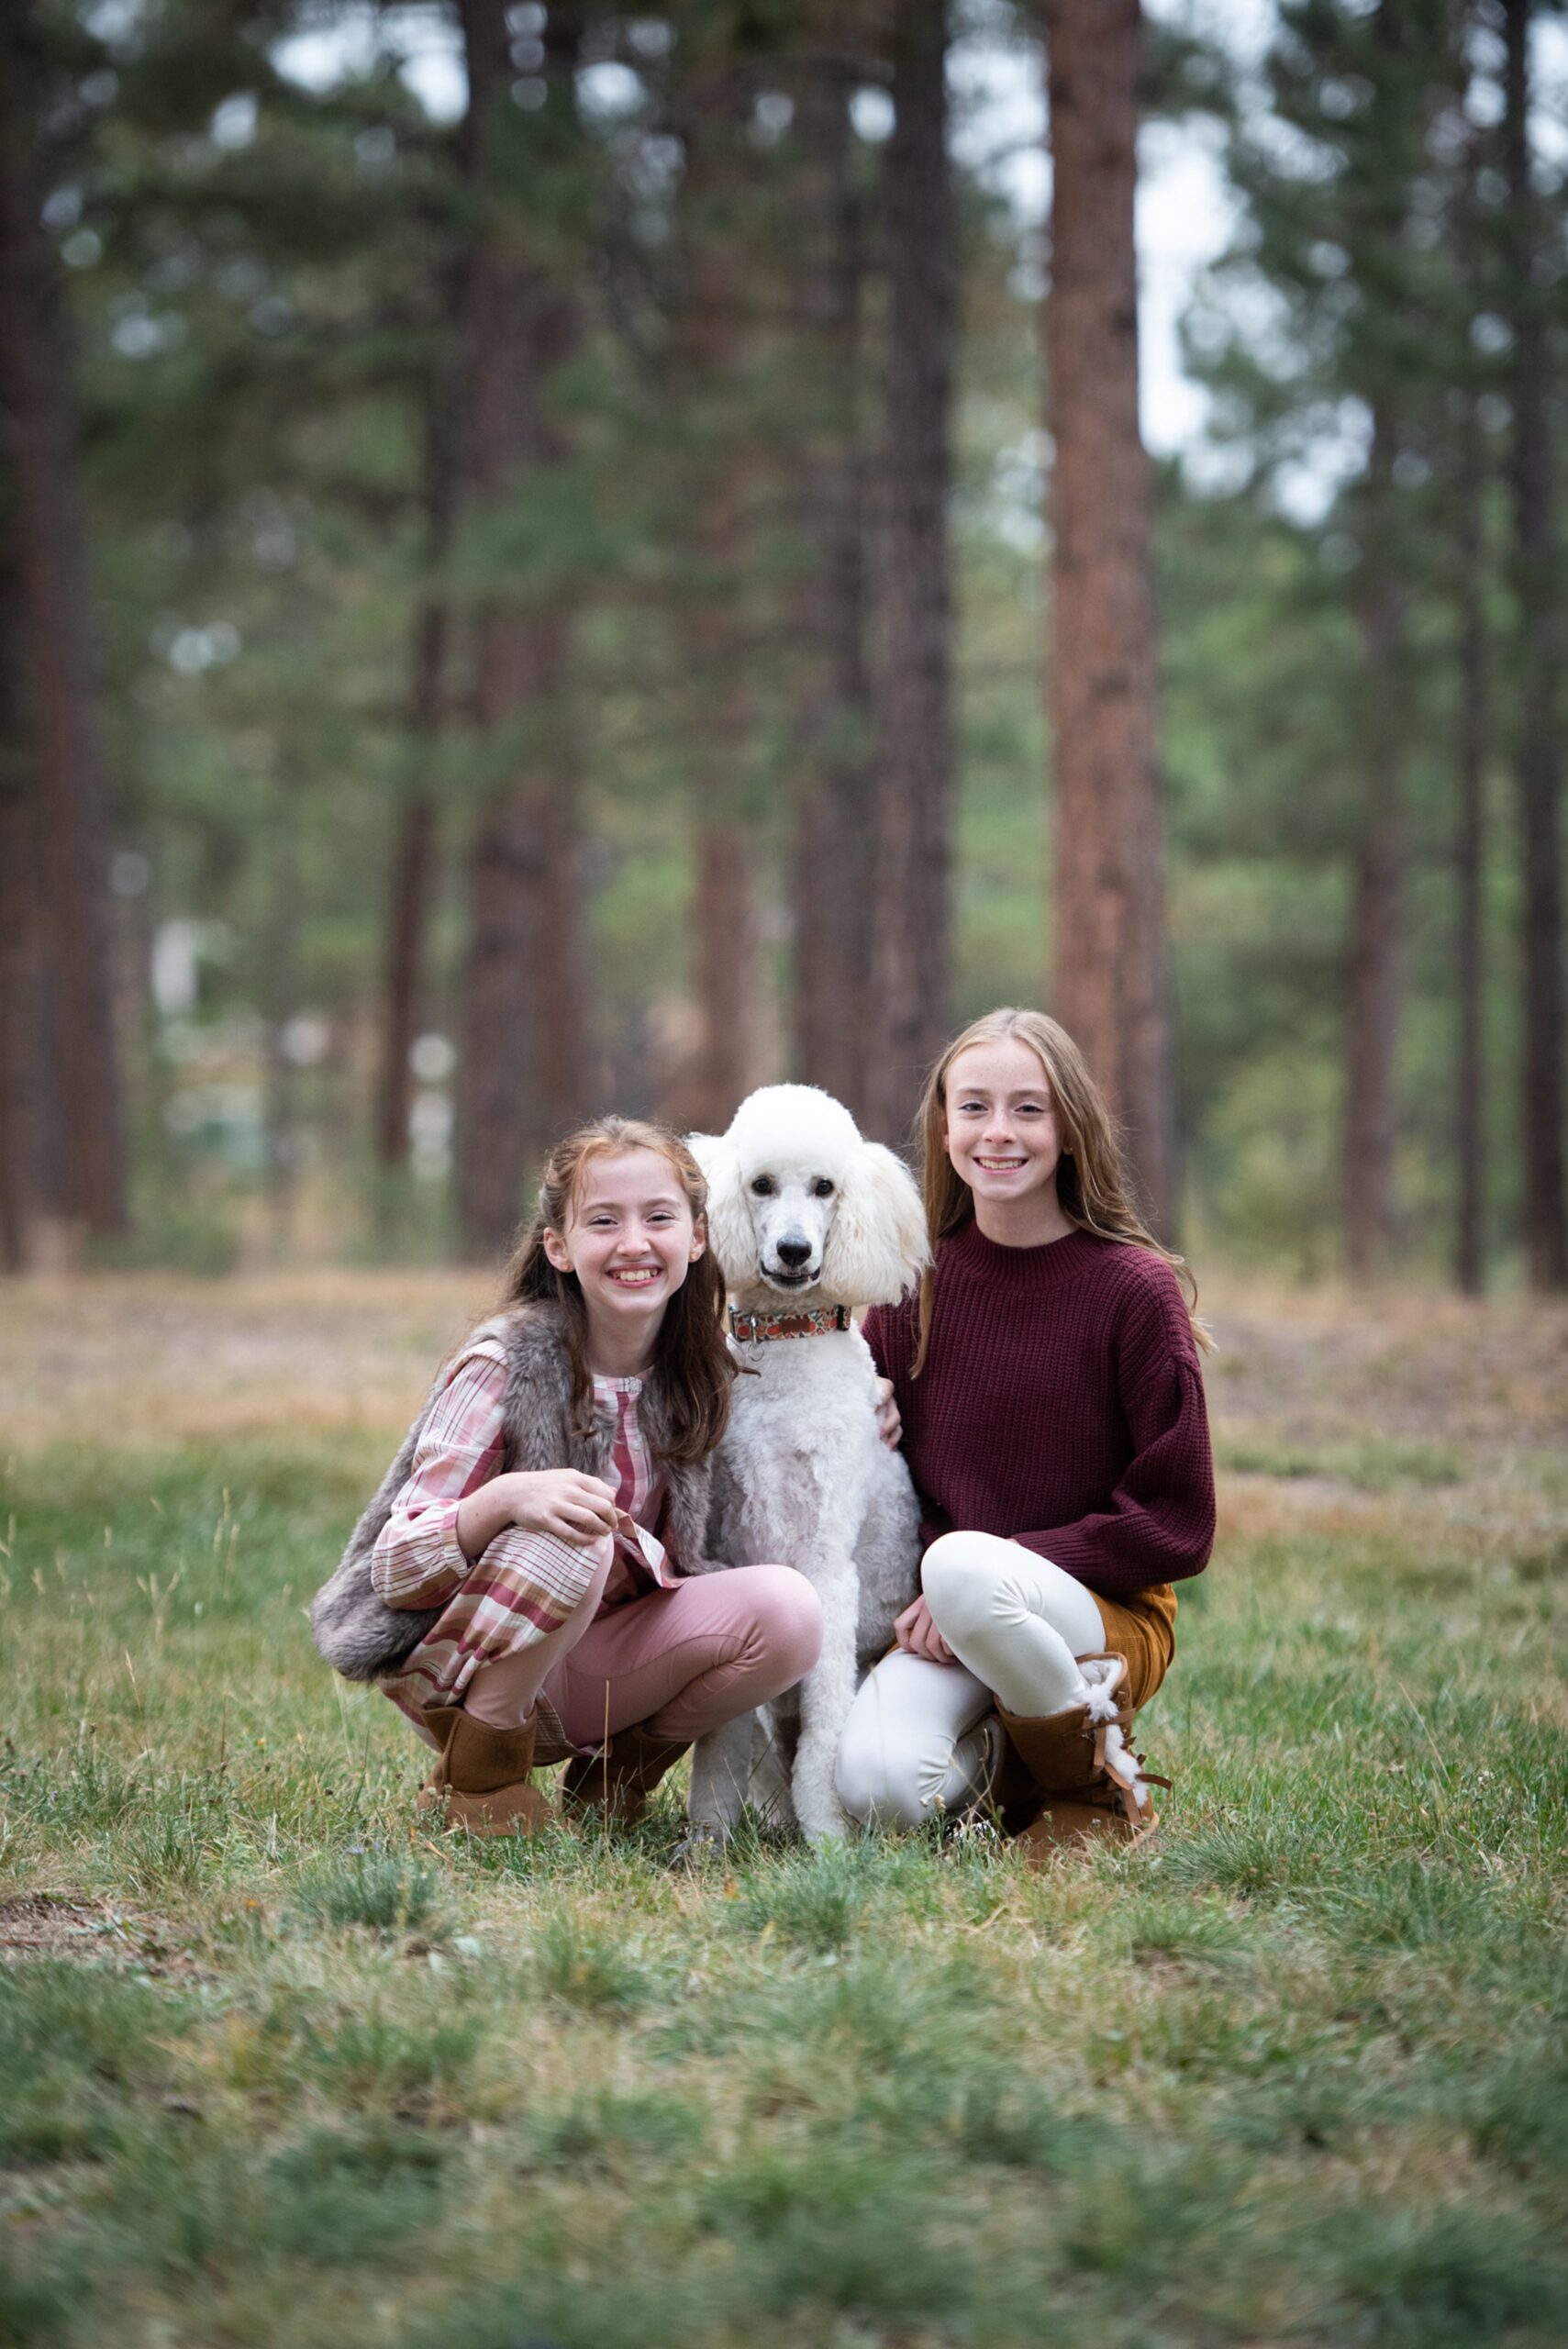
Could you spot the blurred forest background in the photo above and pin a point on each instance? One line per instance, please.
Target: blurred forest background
(553, 557)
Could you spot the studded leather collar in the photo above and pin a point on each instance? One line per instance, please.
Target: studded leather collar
(751, 1328)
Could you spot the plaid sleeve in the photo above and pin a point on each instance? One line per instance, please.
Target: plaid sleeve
(417, 1560)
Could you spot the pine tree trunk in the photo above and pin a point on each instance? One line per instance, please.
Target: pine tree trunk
(281, 1003)
(19, 1201)
(722, 1066)
(412, 892)
(1372, 994)
(522, 1069)
(1470, 857)
(414, 874)
(1540, 647)
(832, 867)
(31, 1160)
(1109, 962)
(723, 1069)
(36, 394)
(911, 1005)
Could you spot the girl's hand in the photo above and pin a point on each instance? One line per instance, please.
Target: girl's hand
(917, 1635)
(889, 1426)
(563, 1501)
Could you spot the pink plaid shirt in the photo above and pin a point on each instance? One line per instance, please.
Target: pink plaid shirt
(489, 1607)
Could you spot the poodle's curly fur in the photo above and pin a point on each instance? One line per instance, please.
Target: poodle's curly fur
(803, 1212)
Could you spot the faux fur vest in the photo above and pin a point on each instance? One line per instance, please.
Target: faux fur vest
(355, 1630)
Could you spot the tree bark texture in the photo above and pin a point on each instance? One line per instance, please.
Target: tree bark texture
(832, 864)
(1470, 864)
(1538, 758)
(1109, 985)
(416, 850)
(52, 572)
(723, 1069)
(522, 1065)
(31, 1160)
(281, 1002)
(722, 1066)
(1372, 991)
(910, 1007)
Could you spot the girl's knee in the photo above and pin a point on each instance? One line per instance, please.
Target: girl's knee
(877, 1785)
(574, 1572)
(960, 1580)
(786, 1615)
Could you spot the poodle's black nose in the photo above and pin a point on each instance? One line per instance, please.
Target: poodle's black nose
(793, 1251)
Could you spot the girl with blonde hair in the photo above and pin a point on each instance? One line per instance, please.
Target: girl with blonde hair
(1046, 1380)
(528, 1585)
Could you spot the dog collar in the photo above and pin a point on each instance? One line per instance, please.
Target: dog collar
(751, 1328)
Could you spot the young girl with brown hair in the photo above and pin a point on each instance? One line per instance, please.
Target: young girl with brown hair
(529, 1583)
(1046, 1376)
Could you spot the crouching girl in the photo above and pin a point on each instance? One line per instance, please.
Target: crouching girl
(528, 1585)
(1052, 1412)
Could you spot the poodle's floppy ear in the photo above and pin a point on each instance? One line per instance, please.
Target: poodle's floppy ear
(728, 1224)
(876, 1246)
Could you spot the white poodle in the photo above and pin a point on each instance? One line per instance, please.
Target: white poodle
(808, 1220)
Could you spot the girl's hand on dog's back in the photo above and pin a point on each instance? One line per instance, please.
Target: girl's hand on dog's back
(889, 1426)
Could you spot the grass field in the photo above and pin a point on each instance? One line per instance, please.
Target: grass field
(274, 2069)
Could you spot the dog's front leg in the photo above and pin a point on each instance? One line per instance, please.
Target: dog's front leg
(721, 1772)
(825, 1695)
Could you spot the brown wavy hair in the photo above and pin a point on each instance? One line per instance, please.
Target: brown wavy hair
(693, 1367)
(1092, 1184)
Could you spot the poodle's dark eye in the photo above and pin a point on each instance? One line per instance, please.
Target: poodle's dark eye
(763, 1185)
(822, 1188)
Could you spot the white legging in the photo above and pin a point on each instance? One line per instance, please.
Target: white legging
(920, 1734)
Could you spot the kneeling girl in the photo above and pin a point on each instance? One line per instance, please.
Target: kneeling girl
(1046, 1380)
(528, 1585)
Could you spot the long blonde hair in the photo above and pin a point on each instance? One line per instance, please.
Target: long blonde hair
(692, 1364)
(1092, 1185)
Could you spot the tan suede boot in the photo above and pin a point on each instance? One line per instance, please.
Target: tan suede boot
(620, 1780)
(481, 1782)
(1086, 1783)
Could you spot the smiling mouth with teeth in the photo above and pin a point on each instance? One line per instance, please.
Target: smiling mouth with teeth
(636, 1275)
(1000, 1165)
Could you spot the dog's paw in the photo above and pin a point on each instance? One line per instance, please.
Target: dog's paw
(702, 1841)
(823, 1822)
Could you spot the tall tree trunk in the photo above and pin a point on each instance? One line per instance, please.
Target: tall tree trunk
(1109, 985)
(1371, 1000)
(832, 866)
(35, 395)
(910, 902)
(723, 1068)
(413, 859)
(21, 1203)
(522, 1069)
(281, 992)
(1470, 861)
(726, 975)
(1540, 650)
(31, 1167)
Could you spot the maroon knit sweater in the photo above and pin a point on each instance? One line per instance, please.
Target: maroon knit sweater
(1061, 1404)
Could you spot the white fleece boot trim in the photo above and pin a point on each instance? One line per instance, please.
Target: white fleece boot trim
(1122, 1763)
(1103, 1675)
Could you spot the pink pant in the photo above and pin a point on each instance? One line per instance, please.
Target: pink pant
(680, 1661)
